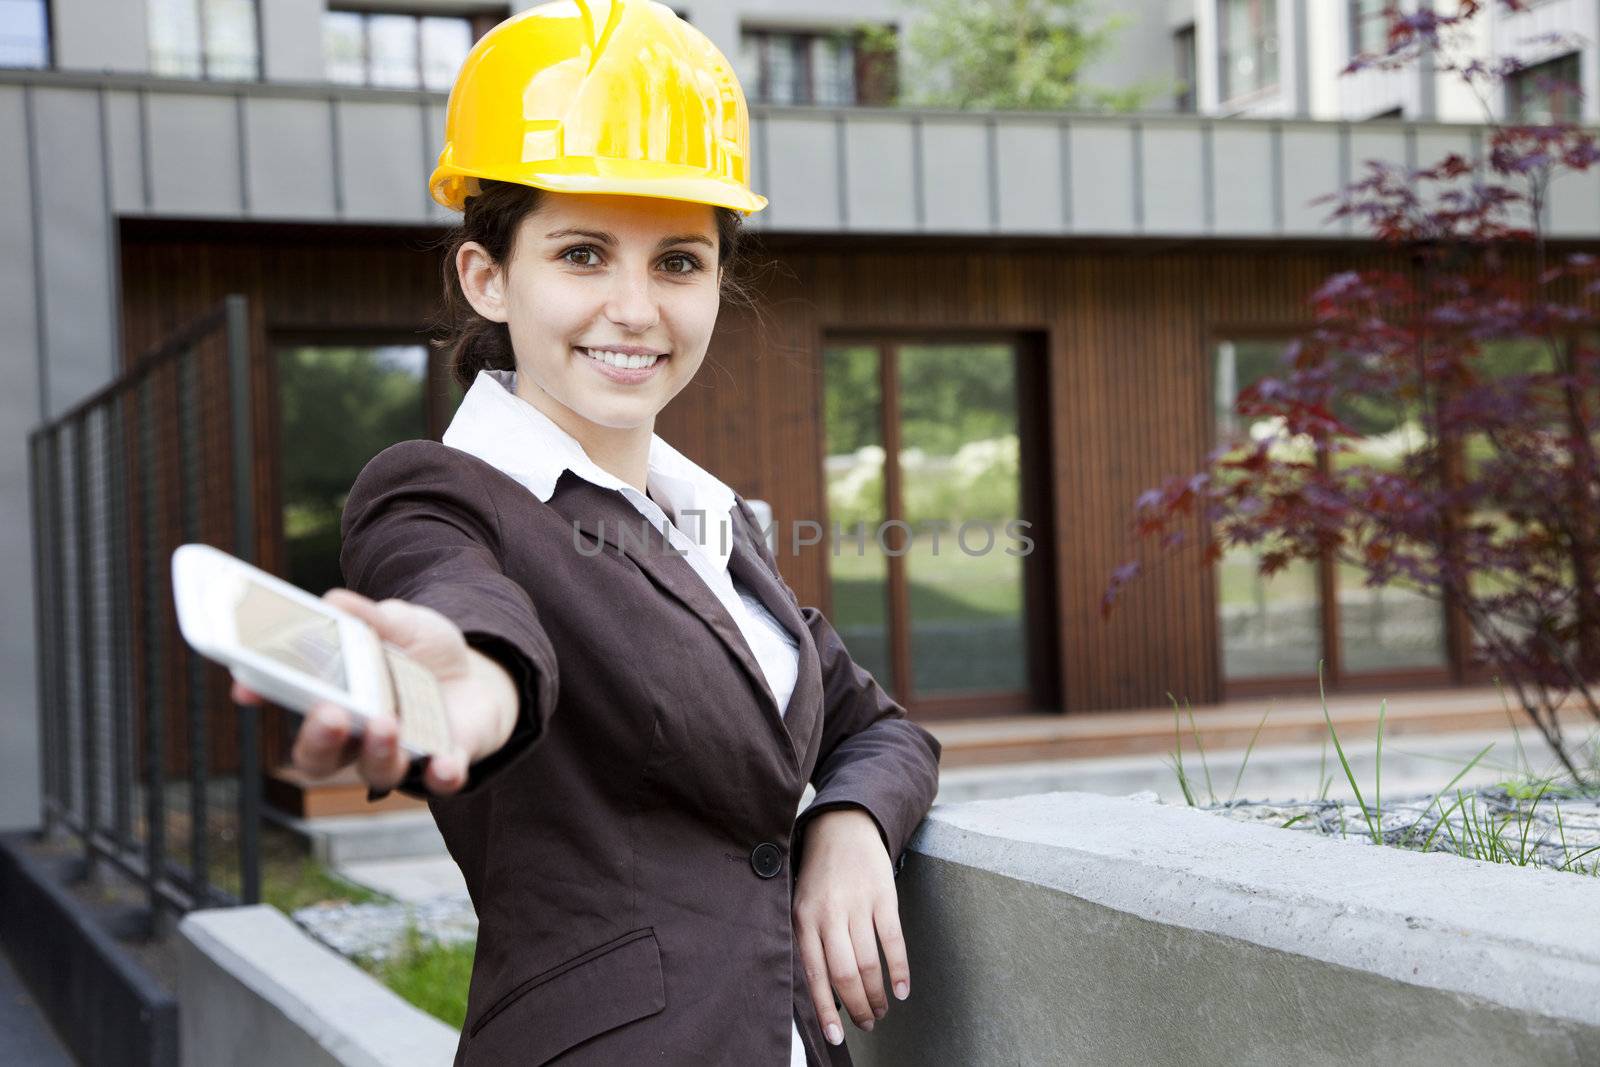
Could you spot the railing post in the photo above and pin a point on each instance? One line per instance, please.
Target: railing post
(189, 430)
(39, 492)
(244, 519)
(155, 761)
(117, 620)
(86, 644)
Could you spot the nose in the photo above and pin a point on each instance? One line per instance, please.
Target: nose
(631, 303)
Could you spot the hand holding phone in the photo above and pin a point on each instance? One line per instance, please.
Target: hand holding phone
(346, 662)
(473, 685)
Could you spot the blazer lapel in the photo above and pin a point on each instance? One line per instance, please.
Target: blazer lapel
(605, 517)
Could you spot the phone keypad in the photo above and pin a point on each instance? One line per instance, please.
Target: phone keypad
(418, 703)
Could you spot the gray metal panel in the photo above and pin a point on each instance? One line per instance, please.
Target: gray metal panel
(380, 154)
(1244, 183)
(1369, 142)
(78, 245)
(1028, 176)
(1432, 148)
(1174, 178)
(803, 180)
(431, 149)
(193, 154)
(1575, 204)
(19, 410)
(955, 176)
(289, 158)
(880, 174)
(1102, 177)
(1310, 170)
(127, 166)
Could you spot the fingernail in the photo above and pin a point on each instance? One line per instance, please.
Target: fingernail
(867, 1026)
(835, 1035)
(902, 990)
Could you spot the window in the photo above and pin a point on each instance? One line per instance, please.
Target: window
(1248, 31)
(825, 68)
(400, 51)
(1183, 46)
(1545, 93)
(1280, 626)
(1369, 26)
(925, 476)
(24, 34)
(340, 404)
(204, 39)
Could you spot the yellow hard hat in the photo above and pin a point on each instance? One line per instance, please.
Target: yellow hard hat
(598, 96)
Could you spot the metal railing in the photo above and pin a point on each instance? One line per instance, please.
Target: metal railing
(146, 760)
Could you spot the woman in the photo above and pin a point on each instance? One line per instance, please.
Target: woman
(636, 697)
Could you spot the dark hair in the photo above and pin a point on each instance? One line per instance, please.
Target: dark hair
(491, 217)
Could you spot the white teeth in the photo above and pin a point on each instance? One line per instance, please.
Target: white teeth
(618, 359)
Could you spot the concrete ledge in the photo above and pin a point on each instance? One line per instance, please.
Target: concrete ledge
(107, 1008)
(1071, 928)
(256, 990)
(383, 835)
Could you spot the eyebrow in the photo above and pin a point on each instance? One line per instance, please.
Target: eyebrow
(610, 239)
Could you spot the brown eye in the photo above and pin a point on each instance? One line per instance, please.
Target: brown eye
(681, 263)
(580, 251)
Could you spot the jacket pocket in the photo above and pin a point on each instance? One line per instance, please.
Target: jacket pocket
(542, 1017)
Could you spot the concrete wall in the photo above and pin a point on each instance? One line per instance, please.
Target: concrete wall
(254, 990)
(1070, 928)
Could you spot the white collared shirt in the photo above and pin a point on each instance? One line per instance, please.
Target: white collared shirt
(511, 435)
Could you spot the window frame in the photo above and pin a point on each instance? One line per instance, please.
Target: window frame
(206, 74)
(49, 39)
(1226, 93)
(1523, 82)
(766, 35)
(1335, 676)
(479, 22)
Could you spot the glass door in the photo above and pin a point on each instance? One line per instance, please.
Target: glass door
(929, 544)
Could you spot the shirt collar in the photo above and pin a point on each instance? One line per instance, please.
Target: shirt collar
(511, 435)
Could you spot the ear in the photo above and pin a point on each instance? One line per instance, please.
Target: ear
(482, 281)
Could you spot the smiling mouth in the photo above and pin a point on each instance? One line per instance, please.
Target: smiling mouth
(621, 360)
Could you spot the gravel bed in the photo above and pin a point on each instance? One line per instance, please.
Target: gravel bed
(378, 931)
(1557, 830)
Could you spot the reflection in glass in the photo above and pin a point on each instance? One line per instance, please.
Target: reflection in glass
(203, 38)
(960, 486)
(1394, 625)
(393, 41)
(24, 36)
(340, 406)
(858, 570)
(344, 47)
(1271, 626)
(445, 44)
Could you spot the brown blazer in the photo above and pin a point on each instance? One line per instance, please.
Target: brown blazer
(631, 851)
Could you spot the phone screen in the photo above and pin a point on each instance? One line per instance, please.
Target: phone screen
(290, 633)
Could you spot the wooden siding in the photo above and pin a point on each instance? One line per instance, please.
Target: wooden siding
(1126, 329)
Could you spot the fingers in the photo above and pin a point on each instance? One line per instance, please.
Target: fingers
(886, 916)
(814, 960)
(844, 971)
(397, 621)
(381, 763)
(865, 944)
(446, 772)
(243, 694)
(325, 741)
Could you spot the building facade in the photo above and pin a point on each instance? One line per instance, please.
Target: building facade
(971, 318)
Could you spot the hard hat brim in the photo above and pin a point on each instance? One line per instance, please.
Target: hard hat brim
(451, 185)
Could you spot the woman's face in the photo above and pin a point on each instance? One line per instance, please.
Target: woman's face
(610, 301)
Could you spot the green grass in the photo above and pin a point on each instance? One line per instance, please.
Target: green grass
(1496, 837)
(293, 879)
(432, 977)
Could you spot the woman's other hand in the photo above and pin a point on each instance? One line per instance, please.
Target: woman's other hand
(479, 696)
(845, 904)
